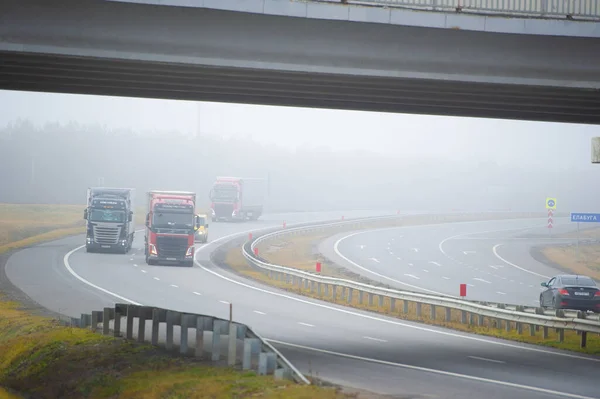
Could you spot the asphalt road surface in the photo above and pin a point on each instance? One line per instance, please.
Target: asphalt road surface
(342, 345)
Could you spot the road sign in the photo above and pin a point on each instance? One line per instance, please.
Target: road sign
(550, 203)
(585, 217)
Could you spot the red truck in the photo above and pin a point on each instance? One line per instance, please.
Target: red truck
(237, 198)
(170, 227)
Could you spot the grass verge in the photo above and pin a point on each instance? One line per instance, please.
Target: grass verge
(39, 358)
(585, 260)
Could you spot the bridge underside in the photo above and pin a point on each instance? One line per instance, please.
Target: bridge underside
(103, 76)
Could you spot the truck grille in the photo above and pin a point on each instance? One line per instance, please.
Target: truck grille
(106, 235)
(223, 210)
(171, 247)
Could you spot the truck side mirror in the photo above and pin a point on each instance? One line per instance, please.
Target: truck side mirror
(85, 214)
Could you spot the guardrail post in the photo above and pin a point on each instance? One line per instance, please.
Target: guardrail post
(334, 293)
(141, 324)
(561, 334)
(404, 306)
(262, 364)
(448, 315)
(216, 340)
(282, 373)
(370, 296)
(545, 332)
(231, 353)
(106, 317)
(418, 309)
(131, 313)
(117, 323)
(507, 325)
(519, 327)
(381, 301)
(471, 319)
(481, 321)
(305, 283)
(360, 297)
(170, 323)
(583, 342)
(271, 362)
(251, 348)
(186, 322)
(432, 309)
(392, 304)
(463, 317)
(156, 319)
(201, 325)
(343, 293)
(95, 320)
(532, 330)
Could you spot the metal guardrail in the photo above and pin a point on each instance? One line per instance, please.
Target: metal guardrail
(538, 8)
(257, 353)
(323, 285)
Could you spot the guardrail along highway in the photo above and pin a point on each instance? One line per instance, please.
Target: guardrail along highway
(342, 345)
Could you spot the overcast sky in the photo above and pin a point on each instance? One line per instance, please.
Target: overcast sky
(503, 141)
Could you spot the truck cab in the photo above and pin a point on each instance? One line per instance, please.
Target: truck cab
(201, 227)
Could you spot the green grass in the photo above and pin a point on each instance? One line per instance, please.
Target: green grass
(41, 359)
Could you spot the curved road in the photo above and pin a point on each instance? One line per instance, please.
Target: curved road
(339, 344)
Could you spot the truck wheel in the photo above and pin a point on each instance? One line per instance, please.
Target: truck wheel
(88, 250)
(188, 263)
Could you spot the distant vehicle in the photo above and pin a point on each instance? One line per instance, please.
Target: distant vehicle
(571, 292)
(237, 198)
(201, 228)
(170, 228)
(109, 219)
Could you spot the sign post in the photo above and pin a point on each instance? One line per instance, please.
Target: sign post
(551, 206)
(577, 217)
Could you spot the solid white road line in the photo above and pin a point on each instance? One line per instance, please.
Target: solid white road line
(480, 279)
(225, 302)
(495, 251)
(434, 371)
(375, 339)
(306, 324)
(174, 286)
(156, 278)
(375, 260)
(196, 293)
(485, 359)
(143, 271)
(259, 312)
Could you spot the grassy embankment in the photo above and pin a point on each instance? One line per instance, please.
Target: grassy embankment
(42, 359)
(586, 261)
(299, 252)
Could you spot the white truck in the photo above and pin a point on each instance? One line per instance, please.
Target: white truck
(109, 216)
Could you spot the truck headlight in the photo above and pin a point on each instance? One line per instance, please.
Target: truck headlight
(190, 251)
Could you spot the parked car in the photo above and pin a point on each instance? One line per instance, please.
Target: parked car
(571, 292)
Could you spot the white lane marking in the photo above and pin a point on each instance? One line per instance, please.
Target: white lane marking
(469, 252)
(494, 267)
(399, 258)
(362, 246)
(531, 286)
(485, 359)
(374, 260)
(375, 339)
(441, 244)
(389, 321)
(156, 278)
(306, 324)
(131, 259)
(410, 264)
(337, 251)
(434, 263)
(446, 278)
(135, 265)
(259, 312)
(143, 271)
(391, 253)
(174, 286)
(412, 276)
(415, 249)
(482, 280)
(501, 293)
(426, 271)
(551, 392)
(196, 293)
(495, 251)
(78, 277)
(225, 302)
(470, 285)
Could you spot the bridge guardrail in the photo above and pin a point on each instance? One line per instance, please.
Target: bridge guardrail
(469, 310)
(539, 8)
(257, 353)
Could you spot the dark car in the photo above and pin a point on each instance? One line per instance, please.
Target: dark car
(571, 292)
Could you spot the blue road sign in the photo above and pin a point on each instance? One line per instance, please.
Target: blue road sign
(585, 217)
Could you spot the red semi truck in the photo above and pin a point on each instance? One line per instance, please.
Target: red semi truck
(170, 227)
(237, 198)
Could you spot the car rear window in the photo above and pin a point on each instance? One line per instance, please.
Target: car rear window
(580, 281)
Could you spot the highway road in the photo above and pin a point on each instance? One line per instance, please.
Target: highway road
(493, 257)
(344, 346)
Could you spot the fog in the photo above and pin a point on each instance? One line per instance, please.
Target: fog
(52, 147)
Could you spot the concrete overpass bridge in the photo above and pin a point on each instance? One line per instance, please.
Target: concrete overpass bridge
(474, 62)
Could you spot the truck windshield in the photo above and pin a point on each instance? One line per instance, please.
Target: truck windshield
(224, 193)
(173, 220)
(106, 215)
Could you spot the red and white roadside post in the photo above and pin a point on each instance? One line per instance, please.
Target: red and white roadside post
(463, 290)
